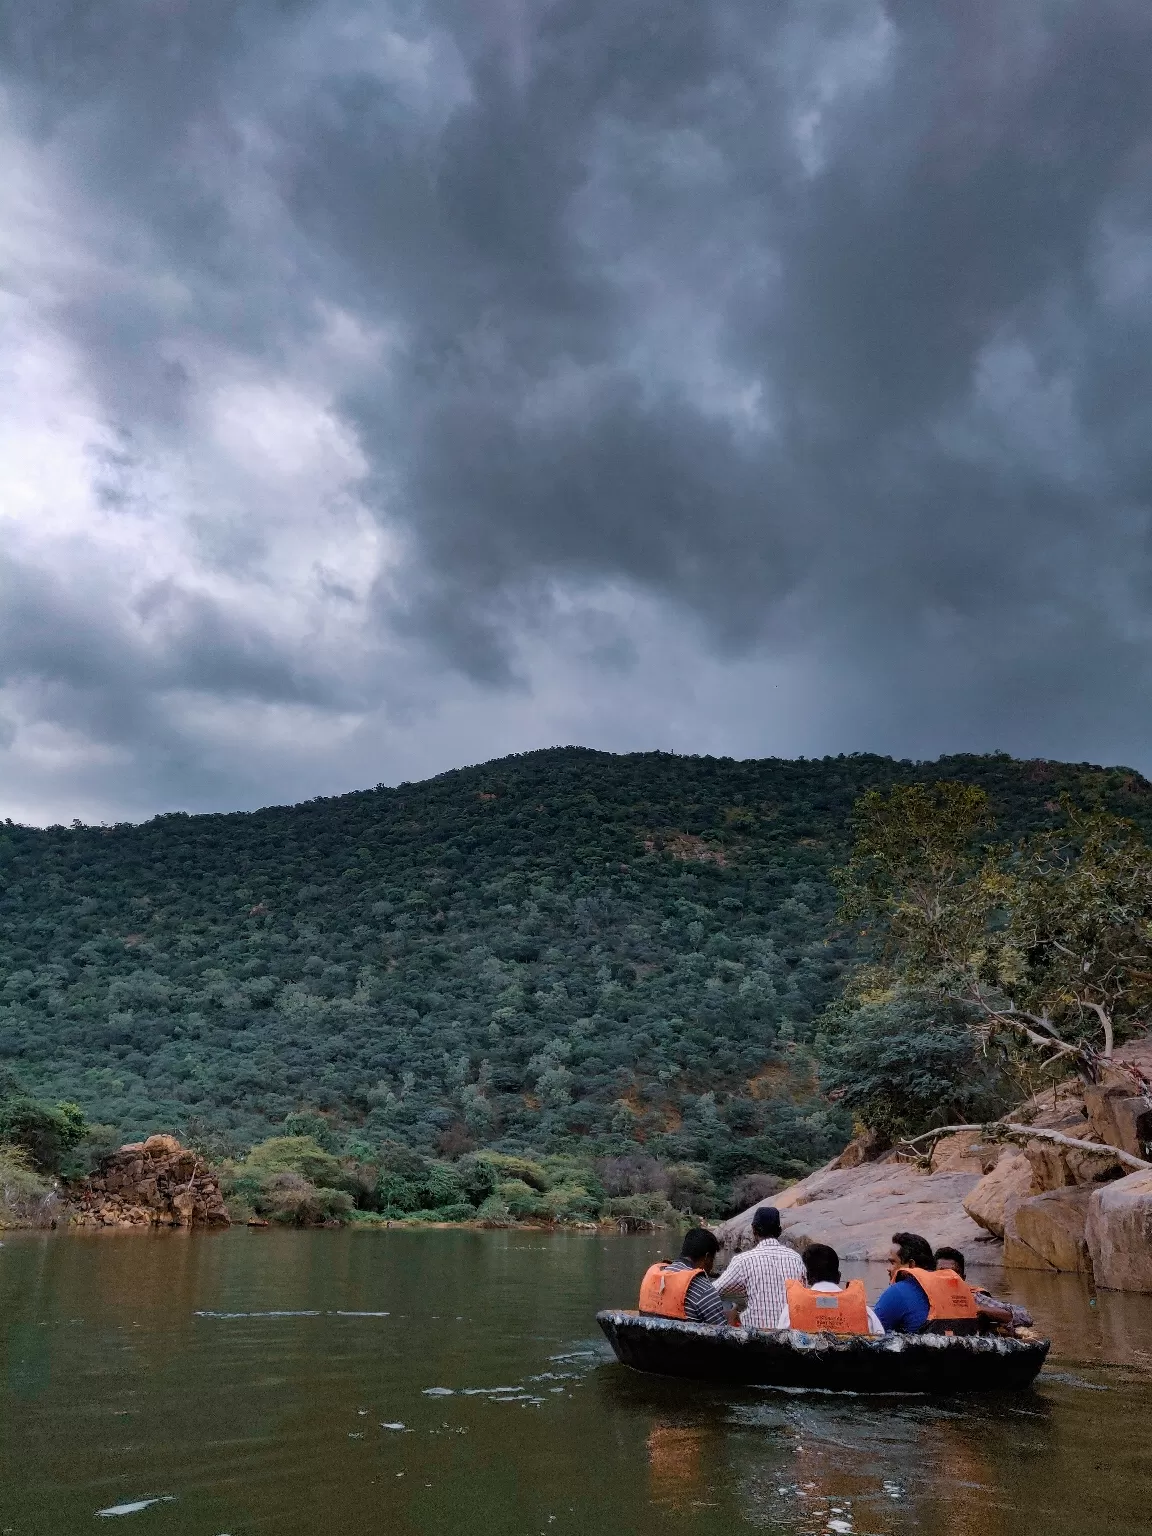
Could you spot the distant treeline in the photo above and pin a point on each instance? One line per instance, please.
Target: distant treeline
(563, 954)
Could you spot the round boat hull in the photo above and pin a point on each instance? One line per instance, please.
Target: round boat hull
(823, 1362)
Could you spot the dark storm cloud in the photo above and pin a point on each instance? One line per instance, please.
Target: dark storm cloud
(825, 324)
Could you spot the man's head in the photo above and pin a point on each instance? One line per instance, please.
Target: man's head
(950, 1258)
(821, 1263)
(700, 1248)
(910, 1251)
(766, 1221)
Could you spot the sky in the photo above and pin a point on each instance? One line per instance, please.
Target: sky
(390, 386)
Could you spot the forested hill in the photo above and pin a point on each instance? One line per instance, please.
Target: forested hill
(558, 947)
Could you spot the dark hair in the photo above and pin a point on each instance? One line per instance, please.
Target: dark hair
(766, 1221)
(914, 1250)
(699, 1243)
(956, 1257)
(821, 1263)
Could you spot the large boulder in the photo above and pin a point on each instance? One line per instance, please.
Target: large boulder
(153, 1183)
(992, 1198)
(964, 1152)
(858, 1209)
(1120, 1117)
(1119, 1233)
(1047, 1231)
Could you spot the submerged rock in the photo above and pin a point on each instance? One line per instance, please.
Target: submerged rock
(153, 1183)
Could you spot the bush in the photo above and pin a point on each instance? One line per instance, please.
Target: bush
(570, 1203)
(652, 1207)
(45, 1133)
(521, 1199)
(752, 1189)
(297, 1154)
(911, 1063)
(478, 1177)
(635, 1175)
(690, 1188)
(295, 1201)
(26, 1197)
(494, 1213)
(507, 1166)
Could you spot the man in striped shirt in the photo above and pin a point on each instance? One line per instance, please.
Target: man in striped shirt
(702, 1304)
(762, 1271)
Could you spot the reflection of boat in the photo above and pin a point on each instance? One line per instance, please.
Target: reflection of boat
(898, 1362)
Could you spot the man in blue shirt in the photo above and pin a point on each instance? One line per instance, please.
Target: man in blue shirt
(903, 1307)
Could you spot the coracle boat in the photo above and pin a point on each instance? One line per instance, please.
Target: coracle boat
(896, 1362)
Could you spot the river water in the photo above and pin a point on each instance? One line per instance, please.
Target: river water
(396, 1382)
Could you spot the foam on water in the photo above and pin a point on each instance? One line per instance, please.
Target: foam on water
(134, 1506)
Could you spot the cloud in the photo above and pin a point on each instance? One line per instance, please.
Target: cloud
(396, 385)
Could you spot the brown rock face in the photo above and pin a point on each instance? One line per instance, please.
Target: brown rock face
(1119, 1234)
(964, 1152)
(153, 1183)
(995, 1196)
(1119, 1117)
(1048, 1232)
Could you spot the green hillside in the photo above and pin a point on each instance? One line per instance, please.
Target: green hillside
(566, 950)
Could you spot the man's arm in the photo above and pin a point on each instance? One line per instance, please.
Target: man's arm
(733, 1278)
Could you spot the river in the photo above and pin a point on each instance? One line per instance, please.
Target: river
(395, 1382)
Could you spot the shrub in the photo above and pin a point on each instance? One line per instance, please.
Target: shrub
(494, 1213)
(521, 1199)
(690, 1188)
(295, 1201)
(26, 1197)
(297, 1154)
(570, 1203)
(651, 1207)
(752, 1189)
(478, 1177)
(46, 1134)
(522, 1168)
(910, 1063)
(635, 1175)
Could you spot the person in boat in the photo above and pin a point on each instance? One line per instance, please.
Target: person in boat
(682, 1289)
(922, 1299)
(762, 1273)
(988, 1307)
(823, 1305)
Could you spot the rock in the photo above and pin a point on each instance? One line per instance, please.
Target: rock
(153, 1183)
(1119, 1233)
(864, 1148)
(991, 1199)
(964, 1152)
(1057, 1167)
(1047, 1231)
(857, 1210)
(1120, 1117)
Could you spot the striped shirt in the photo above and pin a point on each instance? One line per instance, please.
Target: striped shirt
(702, 1302)
(761, 1273)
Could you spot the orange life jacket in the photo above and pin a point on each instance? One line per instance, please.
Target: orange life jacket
(950, 1298)
(843, 1311)
(664, 1291)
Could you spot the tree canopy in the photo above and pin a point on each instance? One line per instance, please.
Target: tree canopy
(561, 953)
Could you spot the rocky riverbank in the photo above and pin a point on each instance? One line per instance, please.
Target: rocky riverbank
(1037, 1204)
(153, 1183)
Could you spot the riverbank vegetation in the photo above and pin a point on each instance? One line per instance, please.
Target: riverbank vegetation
(577, 960)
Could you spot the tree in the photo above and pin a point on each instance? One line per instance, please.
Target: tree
(1047, 941)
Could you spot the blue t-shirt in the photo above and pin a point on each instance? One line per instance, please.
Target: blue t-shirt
(903, 1307)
